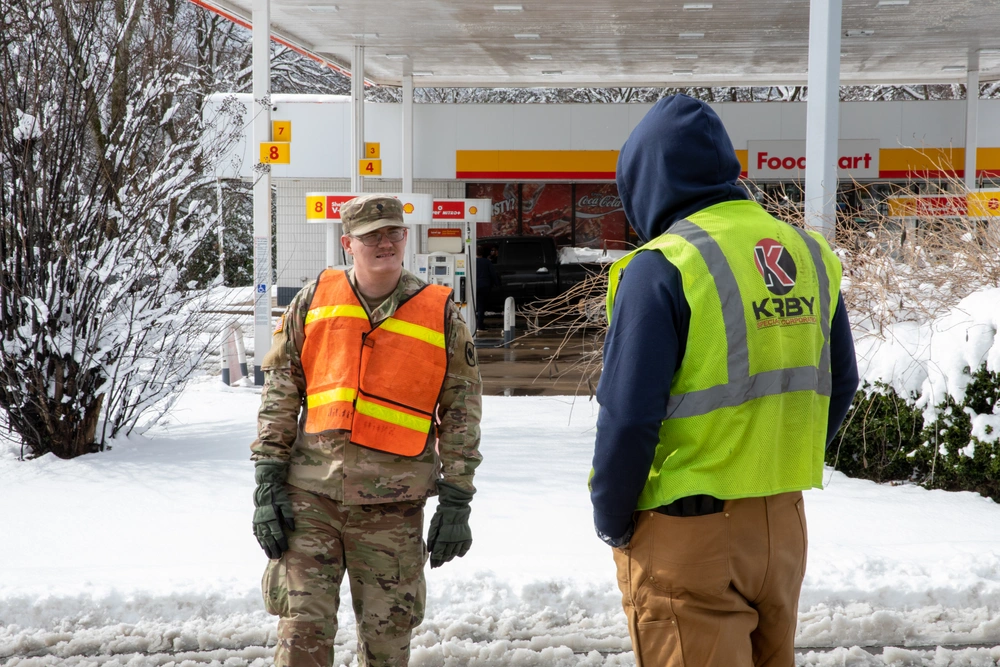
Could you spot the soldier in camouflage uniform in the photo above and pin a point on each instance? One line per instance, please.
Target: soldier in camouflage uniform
(326, 506)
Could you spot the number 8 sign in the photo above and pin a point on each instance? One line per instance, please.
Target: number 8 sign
(275, 152)
(316, 207)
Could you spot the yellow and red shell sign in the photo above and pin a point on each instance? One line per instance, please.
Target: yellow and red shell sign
(323, 206)
(980, 204)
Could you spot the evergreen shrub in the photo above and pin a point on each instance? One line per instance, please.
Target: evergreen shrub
(884, 439)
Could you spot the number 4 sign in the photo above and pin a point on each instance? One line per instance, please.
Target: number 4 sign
(370, 167)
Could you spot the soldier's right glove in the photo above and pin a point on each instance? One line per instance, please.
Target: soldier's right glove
(272, 518)
(450, 534)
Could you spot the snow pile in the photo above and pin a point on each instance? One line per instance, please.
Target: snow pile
(933, 361)
(27, 127)
(143, 555)
(589, 255)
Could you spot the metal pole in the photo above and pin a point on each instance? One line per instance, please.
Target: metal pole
(222, 226)
(331, 245)
(971, 121)
(356, 150)
(822, 116)
(412, 239)
(407, 133)
(357, 117)
(471, 296)
(508, 321)
(261, 187)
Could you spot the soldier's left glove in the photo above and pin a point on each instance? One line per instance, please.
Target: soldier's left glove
(272, 516)
(450, 534)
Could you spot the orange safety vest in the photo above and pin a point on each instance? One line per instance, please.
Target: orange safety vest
(379, 382)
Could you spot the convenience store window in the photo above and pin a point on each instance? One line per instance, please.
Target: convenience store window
(588, 215)
(506, 207)
(600, 218)
(547, 210)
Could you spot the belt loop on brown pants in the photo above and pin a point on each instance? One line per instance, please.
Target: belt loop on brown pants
(717, 590)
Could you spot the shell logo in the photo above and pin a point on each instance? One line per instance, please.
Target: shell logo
(407, 207)
(473, 210)
(994, 204)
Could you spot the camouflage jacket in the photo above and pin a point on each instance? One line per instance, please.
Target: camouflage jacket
(327, 463)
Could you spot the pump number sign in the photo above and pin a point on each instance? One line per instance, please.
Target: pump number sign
(370, 167)
(281, 130)
(325, 207)
(275, 152)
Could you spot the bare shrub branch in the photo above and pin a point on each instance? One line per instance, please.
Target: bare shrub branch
(895, 269)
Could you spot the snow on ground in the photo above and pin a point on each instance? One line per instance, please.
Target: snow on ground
(143, 555)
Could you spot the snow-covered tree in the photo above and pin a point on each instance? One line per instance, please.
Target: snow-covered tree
(100, 165)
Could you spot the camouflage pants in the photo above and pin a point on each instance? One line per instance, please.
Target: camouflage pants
(381, 548)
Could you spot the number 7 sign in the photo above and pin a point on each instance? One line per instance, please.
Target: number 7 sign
(281, 130)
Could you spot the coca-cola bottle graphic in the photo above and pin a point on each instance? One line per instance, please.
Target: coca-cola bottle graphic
(530, 192)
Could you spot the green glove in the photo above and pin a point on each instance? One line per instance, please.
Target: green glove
(272, 518)
(450, 534)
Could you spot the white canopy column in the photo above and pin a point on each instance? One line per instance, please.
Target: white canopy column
(822, 116)
(971, 120)
(412, 238)
(357, 117)
(261, 187)
(356, 151)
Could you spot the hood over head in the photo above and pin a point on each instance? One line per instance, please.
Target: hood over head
(677, 161)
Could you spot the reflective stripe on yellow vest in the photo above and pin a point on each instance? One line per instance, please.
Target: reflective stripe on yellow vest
(381, 383)
(747, 410)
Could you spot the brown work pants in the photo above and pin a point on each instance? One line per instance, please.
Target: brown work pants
(716, 590)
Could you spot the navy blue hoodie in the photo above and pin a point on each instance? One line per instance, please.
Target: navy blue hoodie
(677, 161)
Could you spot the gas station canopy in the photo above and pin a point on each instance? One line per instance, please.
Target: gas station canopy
(551, 43)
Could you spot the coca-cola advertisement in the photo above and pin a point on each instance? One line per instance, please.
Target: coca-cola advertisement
(504, 198)
(547, 210)
(600, 218)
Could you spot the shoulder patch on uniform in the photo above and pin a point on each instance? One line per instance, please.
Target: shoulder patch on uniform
(281, 325)
(470, 353)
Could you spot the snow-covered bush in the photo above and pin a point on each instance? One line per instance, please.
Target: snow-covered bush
(878, 435)
(235, 252)
(100, 169)
(886, 439)
(925, 308)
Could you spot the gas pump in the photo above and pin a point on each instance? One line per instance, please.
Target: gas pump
(444, 268)
(448, 246)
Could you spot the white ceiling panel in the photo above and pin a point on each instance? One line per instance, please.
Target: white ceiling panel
(635, 42)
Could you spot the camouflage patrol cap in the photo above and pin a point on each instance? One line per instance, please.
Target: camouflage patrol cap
(370, 212)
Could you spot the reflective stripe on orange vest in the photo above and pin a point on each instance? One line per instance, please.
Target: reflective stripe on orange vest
(324, 312)
(340, 394)
(381, 383)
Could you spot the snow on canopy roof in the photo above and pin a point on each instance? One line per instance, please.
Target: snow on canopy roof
(283, 98)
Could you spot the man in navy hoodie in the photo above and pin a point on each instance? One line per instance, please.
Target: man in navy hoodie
(728, 368)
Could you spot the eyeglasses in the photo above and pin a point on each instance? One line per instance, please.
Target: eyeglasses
(394, 234)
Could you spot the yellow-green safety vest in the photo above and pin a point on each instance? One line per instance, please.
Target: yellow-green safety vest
(748, 407)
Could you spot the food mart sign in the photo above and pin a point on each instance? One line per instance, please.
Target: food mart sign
(786, 160)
